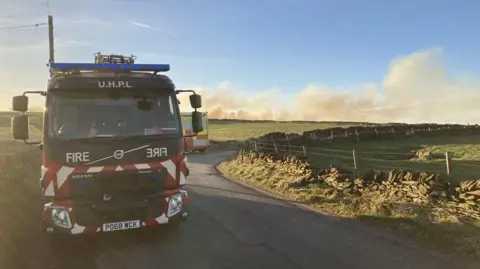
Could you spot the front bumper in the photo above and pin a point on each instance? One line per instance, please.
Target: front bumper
(62, 216)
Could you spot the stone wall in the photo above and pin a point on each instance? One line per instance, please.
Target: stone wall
(367, 133)
(461, 199)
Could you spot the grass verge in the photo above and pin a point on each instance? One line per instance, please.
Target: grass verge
(429, 223)
(20, 204)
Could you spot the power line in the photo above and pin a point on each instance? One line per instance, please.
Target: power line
(23, 27)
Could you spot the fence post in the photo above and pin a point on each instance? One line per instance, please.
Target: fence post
(255, 145)
(355, 163)
(331, 135)
(277, 151)
(448, 163)
(240, 152)
(304, 150)
(376, 133)
(393, 133)
(356, 134)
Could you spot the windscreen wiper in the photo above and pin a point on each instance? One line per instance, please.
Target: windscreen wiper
(126, 137)
(150, 136)
(94, 138)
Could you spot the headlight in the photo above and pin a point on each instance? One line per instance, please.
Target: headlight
(61, 217)
(175, 204)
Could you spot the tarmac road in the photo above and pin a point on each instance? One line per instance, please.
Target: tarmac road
(231, 226)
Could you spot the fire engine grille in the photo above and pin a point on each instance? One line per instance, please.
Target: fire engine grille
(100, 212)
(132, 183)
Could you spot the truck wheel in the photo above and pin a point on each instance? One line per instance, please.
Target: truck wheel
(58, 237)
(55, 239)
(57, 242)
(176, 222)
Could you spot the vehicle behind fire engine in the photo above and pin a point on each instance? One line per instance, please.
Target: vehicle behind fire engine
(200, 141)
(113, 146)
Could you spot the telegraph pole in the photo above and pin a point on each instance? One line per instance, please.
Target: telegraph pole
(50, 41)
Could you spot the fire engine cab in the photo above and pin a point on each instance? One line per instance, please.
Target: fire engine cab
(113, 152)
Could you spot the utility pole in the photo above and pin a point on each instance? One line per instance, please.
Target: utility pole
(50, 41)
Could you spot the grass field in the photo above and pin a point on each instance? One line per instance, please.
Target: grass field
(233, 130)
(19, 164)
(464, 154)
(388, 154)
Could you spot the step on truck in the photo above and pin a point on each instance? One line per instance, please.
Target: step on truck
(113, 153)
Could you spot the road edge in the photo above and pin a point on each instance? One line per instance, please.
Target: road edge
(354, 225)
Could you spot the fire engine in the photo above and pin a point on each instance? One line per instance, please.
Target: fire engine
(113, 152)
(200, 141)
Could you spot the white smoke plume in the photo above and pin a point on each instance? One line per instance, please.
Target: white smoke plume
(416, 88)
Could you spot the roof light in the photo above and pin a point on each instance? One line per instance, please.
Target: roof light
(113, 67)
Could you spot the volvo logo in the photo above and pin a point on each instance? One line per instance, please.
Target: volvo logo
(118, 154)
(107, 197)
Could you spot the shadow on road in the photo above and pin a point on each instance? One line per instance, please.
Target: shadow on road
(84, 252)
(210, 158)
(242, 232)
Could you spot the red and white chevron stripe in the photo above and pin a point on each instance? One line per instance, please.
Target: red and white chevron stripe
(55, 177)
(54, 182)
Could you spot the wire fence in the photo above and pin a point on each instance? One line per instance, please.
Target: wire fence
(361, 161)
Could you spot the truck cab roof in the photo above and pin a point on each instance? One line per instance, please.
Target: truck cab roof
(91, 76)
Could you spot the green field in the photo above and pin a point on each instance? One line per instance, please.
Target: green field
(382, 155)
(389, 154)
(236, 130)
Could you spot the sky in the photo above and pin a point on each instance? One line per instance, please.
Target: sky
(370, 60)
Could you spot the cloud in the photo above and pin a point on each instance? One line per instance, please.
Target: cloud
(167, 33)
(140, 24)
(415, 88)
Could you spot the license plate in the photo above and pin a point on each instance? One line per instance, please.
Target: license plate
(122, 225)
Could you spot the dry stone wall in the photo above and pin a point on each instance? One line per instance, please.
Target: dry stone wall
(368, 133)
(420, 188)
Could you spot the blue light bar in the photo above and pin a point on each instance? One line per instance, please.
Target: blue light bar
(108, 66)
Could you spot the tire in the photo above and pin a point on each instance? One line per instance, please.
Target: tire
(56, 239)
(176, 222)
(58, 243)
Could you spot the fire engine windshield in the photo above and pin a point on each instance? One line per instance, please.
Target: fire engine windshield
(115, 113)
